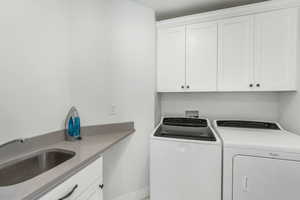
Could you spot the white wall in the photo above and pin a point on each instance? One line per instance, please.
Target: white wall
(290, 104)
(289, 111)
(113, 63)
(34, 62)
(257, 106)
(92, 54)
(90, 74)
(53, 54)
(133, 64)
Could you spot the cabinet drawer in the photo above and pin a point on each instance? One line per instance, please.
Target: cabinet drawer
(94, 192)
(78, 183)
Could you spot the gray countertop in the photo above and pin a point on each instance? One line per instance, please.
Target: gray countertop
(95, 140)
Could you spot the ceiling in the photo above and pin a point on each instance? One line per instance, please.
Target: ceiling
(174, 8)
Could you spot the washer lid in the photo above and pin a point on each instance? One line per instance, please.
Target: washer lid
(185, 128)
(273, 137)
(185, 122)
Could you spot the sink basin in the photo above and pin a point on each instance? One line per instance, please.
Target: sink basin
(25, 168)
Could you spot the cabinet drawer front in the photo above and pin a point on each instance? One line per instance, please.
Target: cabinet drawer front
(94, 192)
(78, 183)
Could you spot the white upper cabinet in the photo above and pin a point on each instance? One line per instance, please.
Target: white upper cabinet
(171, 59)
(275, 50)
(235, 72)
(255, 52)
(202, 57)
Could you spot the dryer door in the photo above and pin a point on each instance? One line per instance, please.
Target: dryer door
(258, 178)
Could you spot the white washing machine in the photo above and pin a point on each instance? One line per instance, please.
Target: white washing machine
(186, 161)
(261, 161)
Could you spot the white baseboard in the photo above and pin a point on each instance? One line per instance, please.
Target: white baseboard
(137, 195)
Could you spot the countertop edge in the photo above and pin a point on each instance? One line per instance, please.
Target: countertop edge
(51, 185)
(105, 136)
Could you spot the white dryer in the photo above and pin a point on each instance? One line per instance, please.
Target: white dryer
(261, 161)
(186, 161)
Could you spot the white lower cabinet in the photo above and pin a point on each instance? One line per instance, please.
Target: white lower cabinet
(87, 184)
(93, 193)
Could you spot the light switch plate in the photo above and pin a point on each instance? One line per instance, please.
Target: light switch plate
(113, 110)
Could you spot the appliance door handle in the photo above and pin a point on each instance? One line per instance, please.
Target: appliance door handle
(70, 193)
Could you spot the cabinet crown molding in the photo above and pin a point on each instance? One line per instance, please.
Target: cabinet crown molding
(237, 11)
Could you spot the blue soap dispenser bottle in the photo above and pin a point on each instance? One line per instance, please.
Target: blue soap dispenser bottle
(73, 125)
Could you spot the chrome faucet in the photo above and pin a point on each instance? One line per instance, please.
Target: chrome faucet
(12, 142)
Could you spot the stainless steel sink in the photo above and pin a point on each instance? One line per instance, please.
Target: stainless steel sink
(25, 168)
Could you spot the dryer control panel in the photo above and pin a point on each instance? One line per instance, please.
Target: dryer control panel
(248, 124)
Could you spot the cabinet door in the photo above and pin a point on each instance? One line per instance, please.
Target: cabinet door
(256, 178)
(202, 57)
(235, 72)
(171, 59)
(76, 185)
(275, 50)
(96, 195)
(94, 192)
